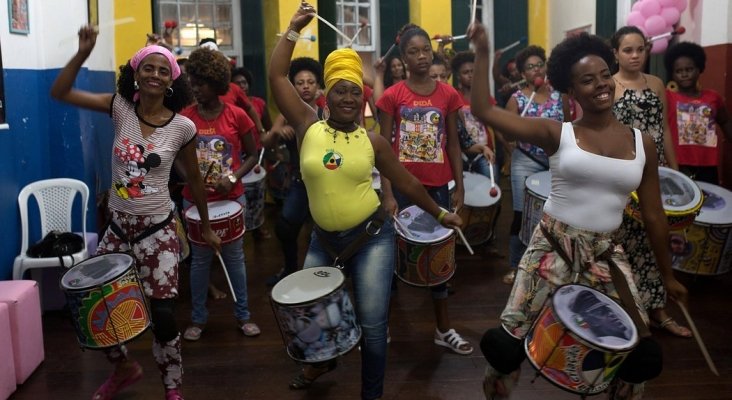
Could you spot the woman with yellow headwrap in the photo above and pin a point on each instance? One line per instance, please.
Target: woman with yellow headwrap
(336, 159)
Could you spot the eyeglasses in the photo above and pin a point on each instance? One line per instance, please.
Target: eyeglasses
(529, 67)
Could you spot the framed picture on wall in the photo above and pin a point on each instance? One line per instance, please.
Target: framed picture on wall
(18, 16)
(93, 6)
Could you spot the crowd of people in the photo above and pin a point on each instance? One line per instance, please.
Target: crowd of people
(589, 114)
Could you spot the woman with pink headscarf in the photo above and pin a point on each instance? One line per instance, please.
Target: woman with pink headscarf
(149, 135)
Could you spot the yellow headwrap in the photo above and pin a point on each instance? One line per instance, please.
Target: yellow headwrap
(343, 64)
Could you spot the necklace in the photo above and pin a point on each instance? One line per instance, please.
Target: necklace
(333, 131)
(148, 123)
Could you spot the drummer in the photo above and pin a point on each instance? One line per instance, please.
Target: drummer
(149, 135)
(224, 132)
(336, 158)
(586, 159)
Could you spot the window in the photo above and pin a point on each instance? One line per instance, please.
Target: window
(198, 19)
(351, 14)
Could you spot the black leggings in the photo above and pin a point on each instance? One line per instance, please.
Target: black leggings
(162, 313)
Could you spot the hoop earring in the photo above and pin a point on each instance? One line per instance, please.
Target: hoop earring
(326, 113)
(135, 85)
(169, 92)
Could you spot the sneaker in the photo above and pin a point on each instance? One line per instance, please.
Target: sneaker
(249, 328)
(193, 332)
(453, 341)
(173, 394)
(115, 383)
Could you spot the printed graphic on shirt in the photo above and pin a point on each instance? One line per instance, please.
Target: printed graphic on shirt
(139, 160)
(695, 125)
(214, 158)
(332, 159)
(420, 134)
(475, 128)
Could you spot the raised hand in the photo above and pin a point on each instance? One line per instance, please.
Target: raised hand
(87, 38)
(304, 14)
(478, 36)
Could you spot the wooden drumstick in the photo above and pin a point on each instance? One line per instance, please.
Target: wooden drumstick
(118, 21)
(399, 225)
(698, 338)
(462, 237)
(226, 274)
(473, 10)
(338, 31)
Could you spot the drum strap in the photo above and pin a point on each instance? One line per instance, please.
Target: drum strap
(621, 285)
(533, 158)
(147, 232)
(371, 228)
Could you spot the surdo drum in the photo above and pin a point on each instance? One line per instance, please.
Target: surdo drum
(226, 221)
(536, 192)
(479, 209)
(254, 191)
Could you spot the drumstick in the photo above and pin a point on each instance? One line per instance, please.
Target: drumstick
(338, 31)
(473, 9)
(399, 225)
(208, 171)
(350, 42)
(512, 45)
(261, 156)
(493, 192)
(462, 237)
(226, 274)
(453, 38)
(106, 24)
(538, 82)
(698, 338)
(391, 48)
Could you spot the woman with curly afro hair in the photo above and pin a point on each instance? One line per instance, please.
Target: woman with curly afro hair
(149, 135)
(224, 132)
(596, 162)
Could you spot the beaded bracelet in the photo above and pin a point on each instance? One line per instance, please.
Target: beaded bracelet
(292, 35)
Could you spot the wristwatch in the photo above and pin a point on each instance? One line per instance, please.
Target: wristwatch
(232, 178)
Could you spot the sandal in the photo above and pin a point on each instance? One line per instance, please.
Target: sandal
(193, 332)
(114, 384)
(671, 326)
(509, 277)
(453, 341)
(249, 328)
(300, 382)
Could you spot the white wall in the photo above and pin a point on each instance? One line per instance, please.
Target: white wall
(53, 32)
(565, 15)
(716, 26)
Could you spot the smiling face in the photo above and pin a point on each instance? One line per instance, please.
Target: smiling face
(631, 52)
(154, 75)
(592, 85)
(396, 68)
(345, 100)
(685, 73)
(418, 55)
(306, 85)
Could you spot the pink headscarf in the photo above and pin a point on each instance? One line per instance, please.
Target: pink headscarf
(146, 51)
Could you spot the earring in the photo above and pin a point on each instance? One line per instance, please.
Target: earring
(169, 92)
(135, 85)
(326, 113)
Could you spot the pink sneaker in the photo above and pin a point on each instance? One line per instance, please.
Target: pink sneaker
(173, 394)
(115, 383)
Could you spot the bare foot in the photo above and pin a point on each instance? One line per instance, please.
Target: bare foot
(215, 293)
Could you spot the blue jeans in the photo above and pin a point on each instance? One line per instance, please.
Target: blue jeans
(233, 255)
(371, 269)
(294, 213)
(521, 168)
(441, 196)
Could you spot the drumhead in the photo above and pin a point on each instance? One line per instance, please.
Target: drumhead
(478, 190)
(540, 184)
(420, 226)
(307, 285)
(375, 179)
(217, 210)
(253, 176)
(594, 317)
(678, 192)
(96, 271)
(717, 206)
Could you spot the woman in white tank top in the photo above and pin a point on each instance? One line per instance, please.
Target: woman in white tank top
(595, 163)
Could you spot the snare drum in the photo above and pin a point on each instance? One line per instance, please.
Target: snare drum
(480, 209)
(580, 339)
(705, 247)
(425, 249)
(106, 301)
(538, 186)
(376, 180)
(226, 221)
(254, 190)
(681, 197)
(315, 314)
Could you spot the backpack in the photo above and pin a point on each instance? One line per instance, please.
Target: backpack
(57, 244)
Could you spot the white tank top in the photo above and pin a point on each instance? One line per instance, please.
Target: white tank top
(590, 191)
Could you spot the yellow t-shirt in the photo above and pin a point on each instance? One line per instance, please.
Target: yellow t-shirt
(336, 169)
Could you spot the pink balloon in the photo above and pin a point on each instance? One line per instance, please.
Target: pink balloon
(643, 29)
(637, 5)
(671, 15)
(655, 25)
(649, 8)
(659, 46)
(667, 3)
(635, 18)
(681, 5)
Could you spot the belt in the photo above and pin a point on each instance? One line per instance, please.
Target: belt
(371, 229)
(147, 232)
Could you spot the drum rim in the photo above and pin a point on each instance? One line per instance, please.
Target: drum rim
(528, 189)
(187, 218)
(110, 280)
(497, 198)
(450, 231)
(709, 187)
(263, 175)
(697, 200)
(305, 302)
(636, 336)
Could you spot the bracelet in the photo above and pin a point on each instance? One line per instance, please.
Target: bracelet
(441, 215)
(292, 35)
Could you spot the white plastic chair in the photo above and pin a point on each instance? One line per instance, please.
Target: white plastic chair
(55, 198)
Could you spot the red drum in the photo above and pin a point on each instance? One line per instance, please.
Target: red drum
(254, 191)
(682, 199)
(480, 209)
(226, 221)
(705, 247)
(580, 339)
(425, 249)
(315, 314)
(537, 191)
(107, 304)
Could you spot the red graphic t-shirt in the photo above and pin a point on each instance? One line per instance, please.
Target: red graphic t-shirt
(421, 131)
(692, 121)
(219, 148)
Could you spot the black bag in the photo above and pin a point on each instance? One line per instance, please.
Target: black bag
(57, 244)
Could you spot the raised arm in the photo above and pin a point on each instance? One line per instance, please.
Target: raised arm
(298, 113)
(542, 132)
(63, 87)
